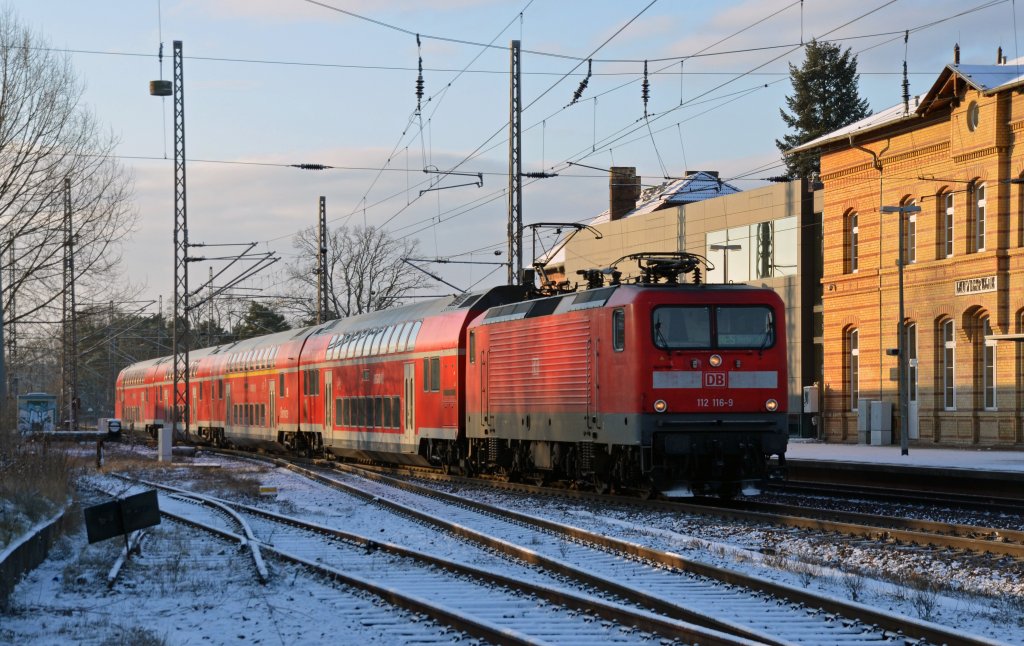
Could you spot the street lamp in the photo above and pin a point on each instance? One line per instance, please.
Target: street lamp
(726, 248)
(901, 332)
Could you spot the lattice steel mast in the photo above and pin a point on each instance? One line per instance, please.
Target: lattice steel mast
(515, 172)
(180, 323)
(323, 293)
(69, 362)
(12, 329)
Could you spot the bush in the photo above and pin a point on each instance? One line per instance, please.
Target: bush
(35, 482)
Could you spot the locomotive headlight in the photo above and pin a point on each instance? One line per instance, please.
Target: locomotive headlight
(715, 360)
(771, 405)
(660, 406)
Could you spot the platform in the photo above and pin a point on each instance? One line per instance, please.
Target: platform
(979, 459)
(994, 473)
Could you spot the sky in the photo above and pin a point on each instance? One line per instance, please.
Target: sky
(271, 83)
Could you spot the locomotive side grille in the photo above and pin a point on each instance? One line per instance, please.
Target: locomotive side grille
(537, 365)
(586, 455)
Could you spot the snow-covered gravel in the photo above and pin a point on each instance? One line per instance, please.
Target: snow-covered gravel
(206, 593)
(960, 591)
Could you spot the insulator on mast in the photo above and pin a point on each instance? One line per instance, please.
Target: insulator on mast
(419, 79)
(583, 84)
(646, 91)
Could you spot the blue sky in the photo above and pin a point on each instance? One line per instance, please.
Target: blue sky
(323, 86)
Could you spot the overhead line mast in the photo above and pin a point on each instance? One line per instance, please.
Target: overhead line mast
(515, 171)
(69, 363)
(322, 291)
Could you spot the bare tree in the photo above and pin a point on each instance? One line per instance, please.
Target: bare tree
(46, 137)
(365, 271)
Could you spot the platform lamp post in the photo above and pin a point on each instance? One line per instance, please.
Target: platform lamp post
(903, 379)
(725, 249)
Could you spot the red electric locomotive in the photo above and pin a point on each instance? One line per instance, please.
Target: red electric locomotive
(649, 385)
(682, 387)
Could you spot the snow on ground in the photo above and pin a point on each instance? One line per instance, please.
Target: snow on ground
(976, 600)
(981, 459)
(188, 590)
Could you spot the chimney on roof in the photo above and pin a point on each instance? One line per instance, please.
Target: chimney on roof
(956, 54)
(999, 55)
(623, 191)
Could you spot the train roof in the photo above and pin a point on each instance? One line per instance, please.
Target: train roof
(598, 297)
(479, 300)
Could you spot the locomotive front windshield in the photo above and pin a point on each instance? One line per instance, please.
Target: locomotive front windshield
(701, 327)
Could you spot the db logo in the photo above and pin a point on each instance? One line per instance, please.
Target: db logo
(714, 379)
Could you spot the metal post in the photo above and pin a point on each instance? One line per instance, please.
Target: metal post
(12, 329)
(322, 307)
(901, 349)
(515, 172)
(180, 411)
(902, 365)
(70, 359)
(725, 249)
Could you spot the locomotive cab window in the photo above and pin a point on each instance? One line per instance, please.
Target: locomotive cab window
(745, 327)
(618, 330)
(682, 327)
(694, 327)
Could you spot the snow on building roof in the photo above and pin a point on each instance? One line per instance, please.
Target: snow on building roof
(695, 187)
(988, 79)
(867, 124)
(992, 78)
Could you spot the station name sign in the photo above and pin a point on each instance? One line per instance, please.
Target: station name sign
(974, 286)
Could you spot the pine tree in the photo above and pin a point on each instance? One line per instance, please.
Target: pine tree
(824, 99)
(260, 320)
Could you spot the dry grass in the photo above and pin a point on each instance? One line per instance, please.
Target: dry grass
(35, 482)
(234, 484)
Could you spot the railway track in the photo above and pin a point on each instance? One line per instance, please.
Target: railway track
(982, 503)
(930, 534)
(667, 583)
(495, 607)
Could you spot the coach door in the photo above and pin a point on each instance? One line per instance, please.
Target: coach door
(409, 405)
(328, 400)
(271, 404)
(229, 418)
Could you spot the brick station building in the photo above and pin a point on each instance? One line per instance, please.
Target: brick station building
(952, 154)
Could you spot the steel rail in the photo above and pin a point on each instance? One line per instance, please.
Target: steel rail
(925, 533)
(646, 621)
(908, 626)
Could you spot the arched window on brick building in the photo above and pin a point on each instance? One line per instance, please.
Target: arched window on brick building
(979, 214)
(988, 365)
(947, 203)
(853, 367)
(946, 370)
(850, 235)
(909, 234)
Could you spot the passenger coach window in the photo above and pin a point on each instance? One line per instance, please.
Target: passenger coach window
(412, 335)
(684, 327)
(618, 332)
(745, 327)
(435, 374)
(472, 347)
